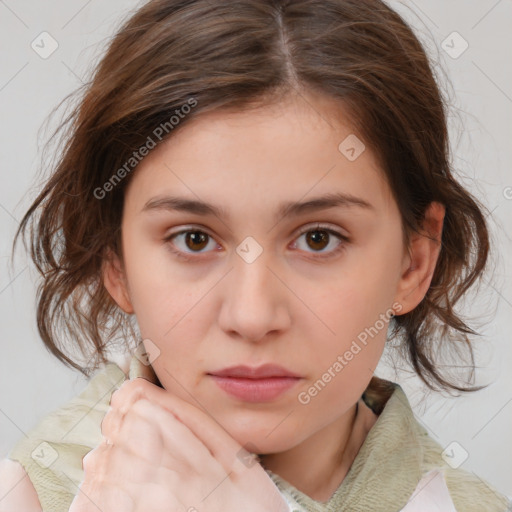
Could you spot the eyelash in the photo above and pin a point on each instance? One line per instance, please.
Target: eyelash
(317, 227)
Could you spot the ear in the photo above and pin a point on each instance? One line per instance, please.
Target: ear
(114, 280)
(420, 260)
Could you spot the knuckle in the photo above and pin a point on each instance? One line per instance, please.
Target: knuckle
(142, 407)
(137, 384)
(138, 419)
(131, 426)
(129, 391)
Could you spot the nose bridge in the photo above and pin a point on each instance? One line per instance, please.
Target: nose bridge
(253, 299)
(251, 275)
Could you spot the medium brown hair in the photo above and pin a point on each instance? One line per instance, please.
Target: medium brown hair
(234, 55)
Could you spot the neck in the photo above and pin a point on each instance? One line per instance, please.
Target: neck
(318, 465)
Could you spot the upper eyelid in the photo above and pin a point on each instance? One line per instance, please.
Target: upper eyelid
(300, 231)
(320, 226)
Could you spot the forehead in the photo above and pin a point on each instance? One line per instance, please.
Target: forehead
(290, 150)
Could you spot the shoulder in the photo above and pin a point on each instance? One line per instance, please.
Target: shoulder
(16, 490)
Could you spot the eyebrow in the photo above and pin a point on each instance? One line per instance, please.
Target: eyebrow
(197, 207)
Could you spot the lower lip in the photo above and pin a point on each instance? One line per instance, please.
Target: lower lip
(255, 390)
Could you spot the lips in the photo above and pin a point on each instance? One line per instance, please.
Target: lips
(262, 384)
(261, 372)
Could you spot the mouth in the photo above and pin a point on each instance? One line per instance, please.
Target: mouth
(261, 384)
(255, 390)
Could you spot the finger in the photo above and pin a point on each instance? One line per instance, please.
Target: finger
(217, 440)
(111, 424)
(95, 462)
(128, 469)
(140, 433)
(119, 406)
(105, 484)
(159, 437)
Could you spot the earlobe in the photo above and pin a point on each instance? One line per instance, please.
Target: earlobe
(114, 280)
(420, 259)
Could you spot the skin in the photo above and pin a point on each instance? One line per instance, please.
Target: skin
(164, 454)
(290, 306)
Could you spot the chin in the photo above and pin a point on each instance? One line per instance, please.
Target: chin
(259, 442)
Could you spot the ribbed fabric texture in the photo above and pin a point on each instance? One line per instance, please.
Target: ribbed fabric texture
(395, 455)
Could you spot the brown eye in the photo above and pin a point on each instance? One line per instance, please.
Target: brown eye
(321, 241)
(317, 239)
(190, 241)
(196, 240)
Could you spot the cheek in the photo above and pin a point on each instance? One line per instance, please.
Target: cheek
(159, 293)
(351, 302)
(343, 358)
(169, 311)
(352, 314)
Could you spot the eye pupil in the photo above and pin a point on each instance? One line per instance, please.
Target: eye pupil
(318, 237)
(197, 238)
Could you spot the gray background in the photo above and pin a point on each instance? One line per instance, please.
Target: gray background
(32, 382)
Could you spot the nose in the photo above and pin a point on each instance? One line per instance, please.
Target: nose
(254, 300)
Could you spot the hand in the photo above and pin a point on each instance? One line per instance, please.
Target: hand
(163, 454)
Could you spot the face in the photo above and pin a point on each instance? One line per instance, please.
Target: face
(310, 288)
